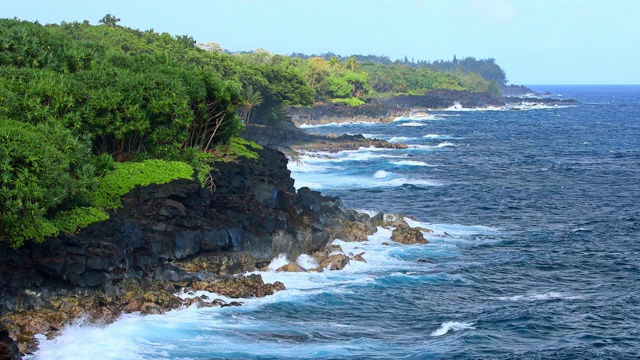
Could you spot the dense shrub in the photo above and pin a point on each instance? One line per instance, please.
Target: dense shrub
(42, 169)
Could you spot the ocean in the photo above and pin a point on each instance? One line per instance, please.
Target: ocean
(535, 252)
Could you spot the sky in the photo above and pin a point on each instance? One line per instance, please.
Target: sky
(534, 41)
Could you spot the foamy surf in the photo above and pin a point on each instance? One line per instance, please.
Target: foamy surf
(335, 124)
(452, 326)
(552, 295)
(410, 163)
(441, 137)
(414, 124)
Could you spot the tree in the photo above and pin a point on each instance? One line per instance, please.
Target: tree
(317, 69)
(110, 21)
(250, 99)
(334, 62)
(351, 63)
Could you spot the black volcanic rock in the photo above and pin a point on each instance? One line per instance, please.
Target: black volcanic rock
(166, 237)
(515, 90)
(442, 99)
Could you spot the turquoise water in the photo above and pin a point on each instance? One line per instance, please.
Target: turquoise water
(535, 251)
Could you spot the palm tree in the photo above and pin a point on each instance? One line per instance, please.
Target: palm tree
(250, 100)
(351, 63)
(334, 62)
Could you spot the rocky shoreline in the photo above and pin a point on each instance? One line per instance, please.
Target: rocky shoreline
(179, 238)
(387, 110)
(176, 238)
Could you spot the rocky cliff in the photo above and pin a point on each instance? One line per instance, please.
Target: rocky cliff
(170, 237)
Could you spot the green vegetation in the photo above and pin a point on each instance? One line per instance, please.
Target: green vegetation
(128, 175)
(72, 220)
(349, 101)
(89, 112)
(42, 168)
(386, 78)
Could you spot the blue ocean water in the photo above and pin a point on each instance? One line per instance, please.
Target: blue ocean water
(535, 251)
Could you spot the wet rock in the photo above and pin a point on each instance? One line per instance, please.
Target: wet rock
(8, 347)
(150, 308)
(233, 303)
(408, 236)
(290, 267)
(378, 219)
(240, 286)
(335, 262)
(358, 257)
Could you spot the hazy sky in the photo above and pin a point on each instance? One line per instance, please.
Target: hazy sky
(535, 41)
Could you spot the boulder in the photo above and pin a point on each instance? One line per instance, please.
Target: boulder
(358, 257)
(291, 267)
(240, 286)
(408, 235)
(335, 262)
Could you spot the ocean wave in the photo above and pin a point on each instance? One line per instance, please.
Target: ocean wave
(362, 154)
(410, 163)
(397, 139)
(552, 295)
(381, 174)
(521, 106)
(458, 107)
(416, 124)
(335, 124)
(417, 118)
(441, 137)
(445, 144)
(452, 326)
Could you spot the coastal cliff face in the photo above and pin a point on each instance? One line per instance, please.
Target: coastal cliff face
(166, 238)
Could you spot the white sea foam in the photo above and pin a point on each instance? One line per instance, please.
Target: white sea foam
(441, 137)
(335, 124)
(445, 144)
(452, 326)
(410, 163)
(397, 139)
(521, 106)
(430, 147)
(363, 154)
(280, 261)
(552, 295)
(458, 107)
(381, 174)
(416, 124)
(427, 117)
(306, 261)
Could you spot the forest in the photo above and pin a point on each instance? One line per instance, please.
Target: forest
(87, 112)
